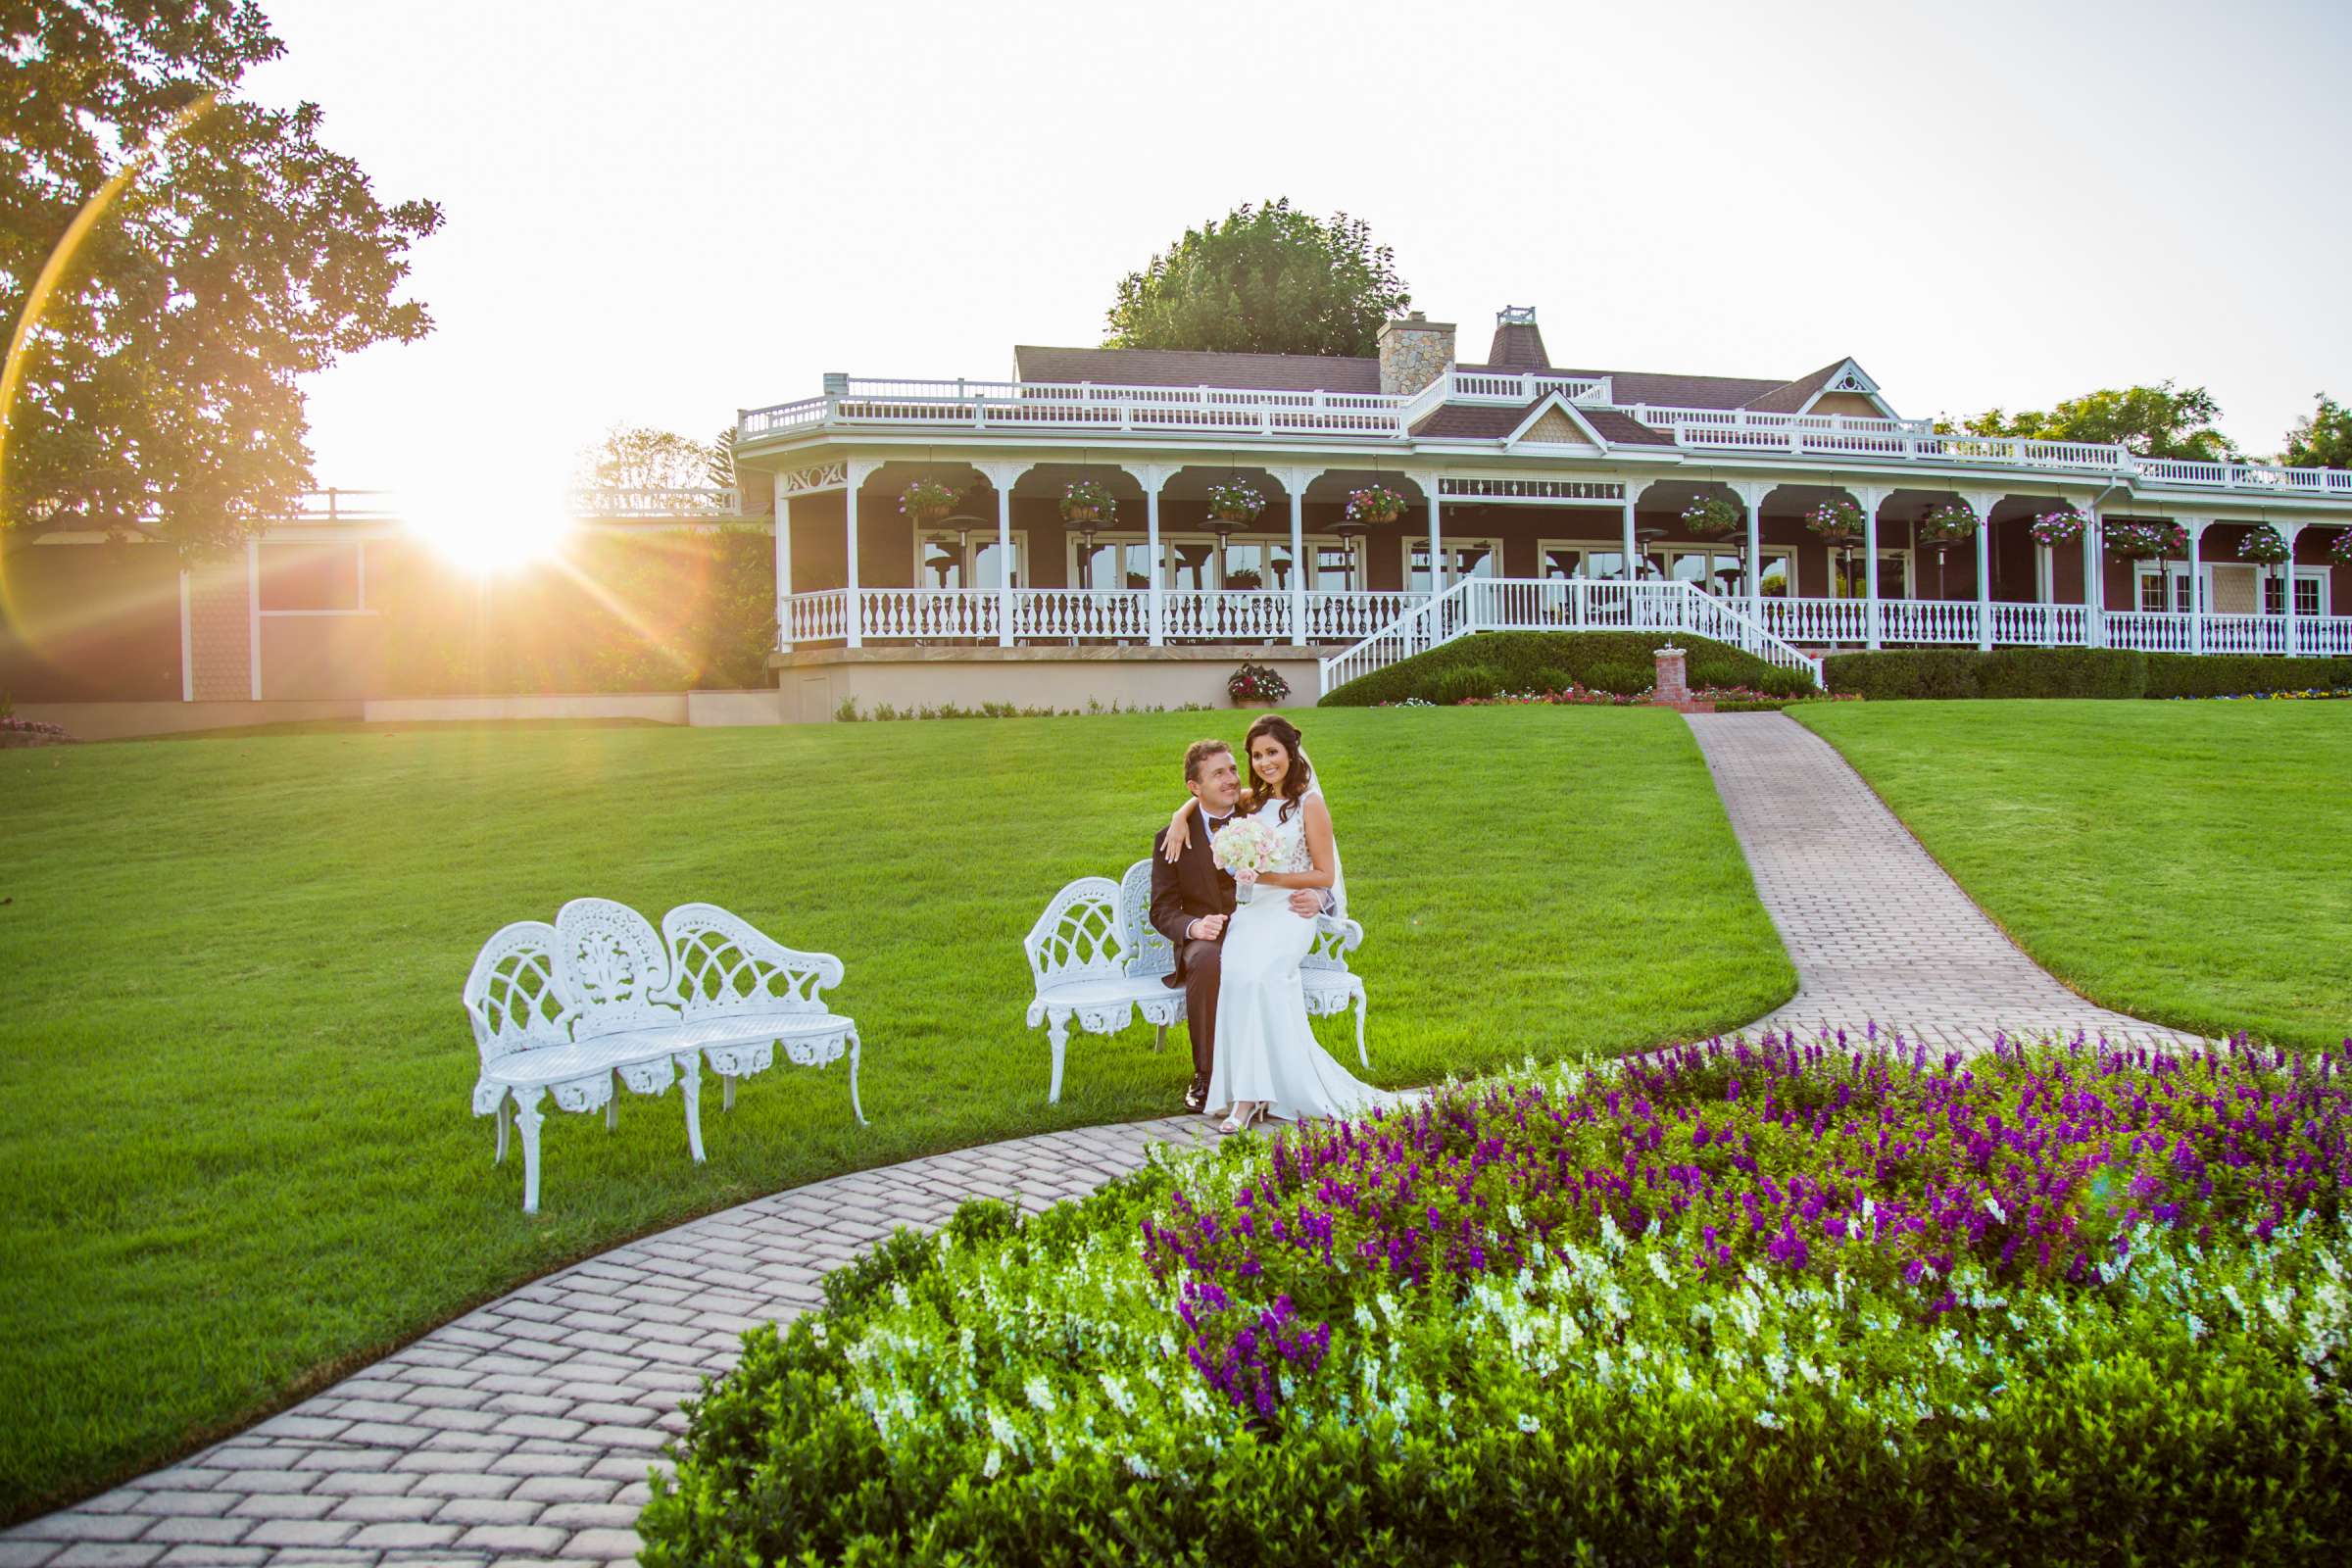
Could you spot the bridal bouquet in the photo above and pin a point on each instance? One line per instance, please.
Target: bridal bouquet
(1243, 844)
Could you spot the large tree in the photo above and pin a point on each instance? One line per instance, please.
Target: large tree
(2152, 421)
(634, 458)
(1262, 281)
(2322, 438)
(159, 386)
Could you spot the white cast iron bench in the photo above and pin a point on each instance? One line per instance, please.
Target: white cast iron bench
(568, 1009)
(1097, 958)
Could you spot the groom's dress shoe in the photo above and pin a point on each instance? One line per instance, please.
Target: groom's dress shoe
(1195, 1096)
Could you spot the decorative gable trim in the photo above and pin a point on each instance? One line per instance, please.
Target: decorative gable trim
(1850, 377)
(1556, 421)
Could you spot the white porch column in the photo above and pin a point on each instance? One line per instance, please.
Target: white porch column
(1151, 476)
(2196, 527)
(1437, 541)
(857, 472)
(1296, 481)
(253, 610)
(1871, 499)
(1004, 476)
(783, 570)
(1633, 565)
(2095, 588)
(1983, 501)
(1751, 494)
(2287, 604)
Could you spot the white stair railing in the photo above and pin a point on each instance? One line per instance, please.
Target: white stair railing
(1481, 603)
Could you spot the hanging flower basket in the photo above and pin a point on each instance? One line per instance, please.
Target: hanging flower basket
(924, 502)
(1089, 500)
(2264, 546)
(1235, 502)
(2054, 528)
(2340, 552)
(1836, 523)
(1256, 686)
(1948, 524)
(2147, 541)
(1375, 504)
(1710, 516)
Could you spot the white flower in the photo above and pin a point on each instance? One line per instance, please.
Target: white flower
(1142, 1467)
(1767, 1420)
(1529, 1424)
(993, 1463)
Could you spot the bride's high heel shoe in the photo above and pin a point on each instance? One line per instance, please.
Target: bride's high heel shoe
(1236, 1121)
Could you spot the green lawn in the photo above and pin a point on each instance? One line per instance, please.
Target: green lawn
(235, 1149)
(2188, 863)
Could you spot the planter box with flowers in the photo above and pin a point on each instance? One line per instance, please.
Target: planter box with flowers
(1256, 686)
(1836, 523)
(2054, 528)
(1089, 500)
(1235, 502)
(1710, 517)
(2147, 541)
(2264, 545)
(925, 501)
(1374, 503)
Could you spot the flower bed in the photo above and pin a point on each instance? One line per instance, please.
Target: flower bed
(1819, 1303)
(17, 731)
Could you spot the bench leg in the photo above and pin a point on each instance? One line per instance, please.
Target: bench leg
(690, 1087)
(612, 1105)
(1360, 1033)
(1161, 1042)
(727, 1091)
(1058, 1029)
(854, 1108)
(526, 1121)
(500, 1159)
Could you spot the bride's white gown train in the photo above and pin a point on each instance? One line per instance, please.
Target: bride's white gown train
(1266, 1049)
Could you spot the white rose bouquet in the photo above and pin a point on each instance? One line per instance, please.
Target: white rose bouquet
(1243, 844)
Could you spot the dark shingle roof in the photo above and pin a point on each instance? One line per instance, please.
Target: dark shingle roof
(1455, 422)
(1791, 399)
(1259, 372)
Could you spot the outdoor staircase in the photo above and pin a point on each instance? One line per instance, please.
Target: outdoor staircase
(1483, 603)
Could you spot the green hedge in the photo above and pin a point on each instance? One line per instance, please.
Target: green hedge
(1620, 662)
(2104, 672)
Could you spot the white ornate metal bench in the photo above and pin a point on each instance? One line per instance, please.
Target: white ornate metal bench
(598, 995)
(1097, 958)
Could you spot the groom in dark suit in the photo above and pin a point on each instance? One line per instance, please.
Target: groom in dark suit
(1192, 900)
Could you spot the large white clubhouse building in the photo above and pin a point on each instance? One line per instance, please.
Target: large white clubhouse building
(1540, 495)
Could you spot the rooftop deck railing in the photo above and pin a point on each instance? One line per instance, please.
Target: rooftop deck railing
(642, 503)
(1080, 406)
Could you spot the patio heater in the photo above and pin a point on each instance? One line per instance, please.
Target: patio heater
(1644, 537)
(1352, 536)
(1086, 554)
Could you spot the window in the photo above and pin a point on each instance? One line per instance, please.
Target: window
(1464, 558)
(2151, 587)
(1565, 560)
(1849, 576)
(1265, 563)
(328, 578)
(2311, 597)
(967, 557)
(1717, 571)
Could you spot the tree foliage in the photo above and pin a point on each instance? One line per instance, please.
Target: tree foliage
(1262, 281)
(2322, 438)
(633, 458)
(161, 384)
(2151, 422)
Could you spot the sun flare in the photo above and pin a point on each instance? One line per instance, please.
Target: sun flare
(488, 528)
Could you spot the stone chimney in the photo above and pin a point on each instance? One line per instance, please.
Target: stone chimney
(1413, 353)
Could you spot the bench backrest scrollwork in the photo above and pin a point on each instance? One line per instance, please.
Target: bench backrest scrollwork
(721, 964)
(614, 963)
(1079, 937)
(1148, 954)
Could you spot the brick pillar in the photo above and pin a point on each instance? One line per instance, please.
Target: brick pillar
(1674, 685)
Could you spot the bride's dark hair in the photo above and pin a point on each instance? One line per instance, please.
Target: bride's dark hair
(1294, 783)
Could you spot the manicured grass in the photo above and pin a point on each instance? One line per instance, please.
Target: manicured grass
(236, 1150)
(2186, 862)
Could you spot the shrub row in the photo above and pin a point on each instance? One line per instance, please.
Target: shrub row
(1810, 1304)
(1620, 662)
(2110, 672)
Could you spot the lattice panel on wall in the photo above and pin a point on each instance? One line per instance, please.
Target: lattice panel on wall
(221, 630)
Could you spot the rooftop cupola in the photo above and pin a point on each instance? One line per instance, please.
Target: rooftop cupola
(1518, 341)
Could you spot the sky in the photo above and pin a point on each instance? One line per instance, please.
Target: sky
(658, 214)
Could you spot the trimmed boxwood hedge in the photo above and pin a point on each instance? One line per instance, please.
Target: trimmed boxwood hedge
(1620, 662)
(2106, 672)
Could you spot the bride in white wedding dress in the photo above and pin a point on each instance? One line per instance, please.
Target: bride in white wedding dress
(1267, 1061)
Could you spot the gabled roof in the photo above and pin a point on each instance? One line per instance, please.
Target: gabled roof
(1257, 372)
(1457, 422)
(1649, 387)
(1799, 395)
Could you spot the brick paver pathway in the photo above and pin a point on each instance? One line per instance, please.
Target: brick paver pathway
(522, 1432)
(1877, 929)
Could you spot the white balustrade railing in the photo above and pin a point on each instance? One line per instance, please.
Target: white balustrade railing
(1232, 614)
(1333, 613)
(923, 612)
(2251, 634)
(2153, 631)
(814, 617)
(1081, 612)
(2037, 625)
(1928, 621)
(1816, 620)
(1083, 406)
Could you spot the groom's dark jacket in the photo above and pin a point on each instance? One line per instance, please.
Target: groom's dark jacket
(1190, 888)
